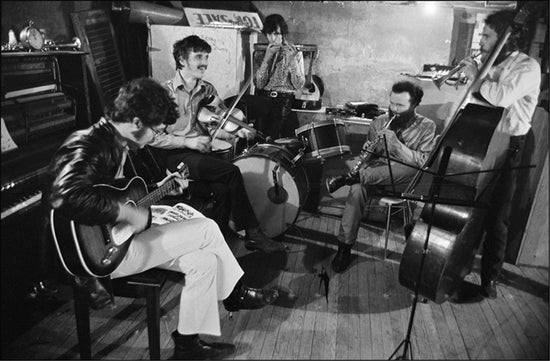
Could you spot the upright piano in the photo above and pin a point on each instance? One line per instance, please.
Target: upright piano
(44, 98)
(40, 107)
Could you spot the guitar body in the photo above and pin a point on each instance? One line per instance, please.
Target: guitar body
(309, 97)
(95, 250)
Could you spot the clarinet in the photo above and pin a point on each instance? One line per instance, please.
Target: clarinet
(367, 154)
(337, 182)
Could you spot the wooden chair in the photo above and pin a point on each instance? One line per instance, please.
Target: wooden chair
(143, 285)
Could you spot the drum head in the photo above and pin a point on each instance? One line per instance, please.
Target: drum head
(285, 142)
(219, 145)
(275, 207)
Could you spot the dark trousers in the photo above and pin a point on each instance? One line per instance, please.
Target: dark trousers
(280, 121)
(375, 181)
(498, 216)
(223, 178)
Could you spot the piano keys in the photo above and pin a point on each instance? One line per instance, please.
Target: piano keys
(22, 194)
(38, 115)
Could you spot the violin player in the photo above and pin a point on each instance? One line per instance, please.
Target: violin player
(513, 82)
(189, 141)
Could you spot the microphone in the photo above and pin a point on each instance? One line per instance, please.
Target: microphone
(276, 194)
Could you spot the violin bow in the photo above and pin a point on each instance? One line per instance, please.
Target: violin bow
(224, 120)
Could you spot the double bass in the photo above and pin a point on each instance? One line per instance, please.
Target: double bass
(443, 242)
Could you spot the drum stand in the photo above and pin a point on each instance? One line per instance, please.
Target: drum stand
(433, 193)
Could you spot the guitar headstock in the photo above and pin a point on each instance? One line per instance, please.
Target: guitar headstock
(183, 169)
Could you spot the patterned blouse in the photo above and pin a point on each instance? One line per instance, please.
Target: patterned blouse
(287, 76)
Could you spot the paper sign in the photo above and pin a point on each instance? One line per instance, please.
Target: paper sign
(223, 18)
(7, 141)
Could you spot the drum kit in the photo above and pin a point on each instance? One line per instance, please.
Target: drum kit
(274, 176)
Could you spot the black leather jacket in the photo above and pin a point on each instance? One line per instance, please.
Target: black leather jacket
(87, 157)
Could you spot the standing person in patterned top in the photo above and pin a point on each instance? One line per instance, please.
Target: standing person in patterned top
(281, 73)
(410, 138)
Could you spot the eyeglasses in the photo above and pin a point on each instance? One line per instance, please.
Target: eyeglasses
(157, 132)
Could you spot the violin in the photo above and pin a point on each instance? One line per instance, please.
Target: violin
(236, 119)
(232, 122)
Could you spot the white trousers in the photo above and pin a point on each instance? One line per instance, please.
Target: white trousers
(197, 248)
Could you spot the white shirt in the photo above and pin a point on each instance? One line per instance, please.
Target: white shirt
(514, 85)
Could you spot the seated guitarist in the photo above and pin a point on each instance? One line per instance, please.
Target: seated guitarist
(195, 247)
(281, 73)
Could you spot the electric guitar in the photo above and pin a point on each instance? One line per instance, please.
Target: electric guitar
(309, 97)
(97, 250)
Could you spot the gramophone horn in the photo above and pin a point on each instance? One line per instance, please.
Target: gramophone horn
(138, 11)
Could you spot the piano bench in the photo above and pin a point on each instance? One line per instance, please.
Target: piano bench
(142, 285)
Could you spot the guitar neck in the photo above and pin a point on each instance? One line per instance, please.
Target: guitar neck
(157, 194)
(310, 70)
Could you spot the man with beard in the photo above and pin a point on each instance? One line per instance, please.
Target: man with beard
(410, 138)
(513, 82)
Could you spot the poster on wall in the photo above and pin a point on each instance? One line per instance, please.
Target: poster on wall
(226, 62)
(223, 18)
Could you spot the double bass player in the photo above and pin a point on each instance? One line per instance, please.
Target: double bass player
(513, 82)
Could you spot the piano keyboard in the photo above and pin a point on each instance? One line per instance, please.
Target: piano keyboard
(27, 202)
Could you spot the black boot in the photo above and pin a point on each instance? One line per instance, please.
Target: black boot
(191, 347)
(342, 259)
(247, 298)
(257, 240)
(335, 183)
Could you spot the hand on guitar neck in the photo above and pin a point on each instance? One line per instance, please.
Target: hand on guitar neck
(96, 250)
(137, 219)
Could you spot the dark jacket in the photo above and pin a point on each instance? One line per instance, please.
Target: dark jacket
(87, 157)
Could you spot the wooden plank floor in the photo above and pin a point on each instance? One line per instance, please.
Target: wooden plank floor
(365, 317)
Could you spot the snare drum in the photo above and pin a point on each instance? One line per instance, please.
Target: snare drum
(222, 149)
(323, 139)
(275, 187)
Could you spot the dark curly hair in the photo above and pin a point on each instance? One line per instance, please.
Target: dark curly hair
(499, 21)
(146, 99)
(182, 48)
(272, 21)
(414, 91)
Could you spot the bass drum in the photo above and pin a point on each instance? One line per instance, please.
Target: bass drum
(276, 187)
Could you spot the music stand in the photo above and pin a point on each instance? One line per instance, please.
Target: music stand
(433, 193)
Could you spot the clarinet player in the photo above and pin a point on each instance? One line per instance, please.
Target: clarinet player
(410, 138)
